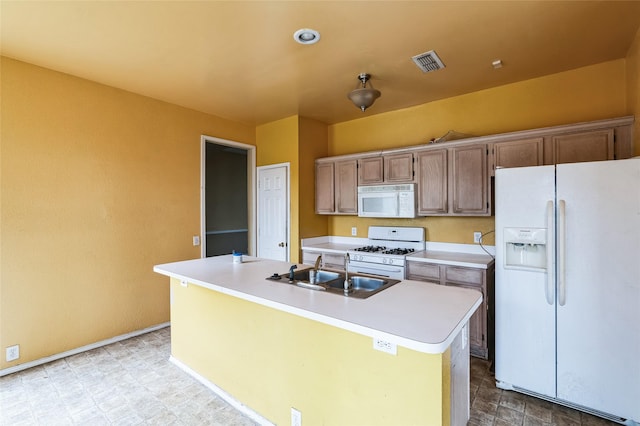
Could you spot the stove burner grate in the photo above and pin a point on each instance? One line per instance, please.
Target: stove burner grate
(371, 249)
(400, 251)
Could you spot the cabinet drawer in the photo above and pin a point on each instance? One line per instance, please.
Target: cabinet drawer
(333, 261)
(464, 275)
(309, 257)
(423, 271)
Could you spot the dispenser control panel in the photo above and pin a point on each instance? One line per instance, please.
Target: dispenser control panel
(526, 248)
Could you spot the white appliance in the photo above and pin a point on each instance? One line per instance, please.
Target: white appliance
(567, 291)
(386, 252)
(387, 200)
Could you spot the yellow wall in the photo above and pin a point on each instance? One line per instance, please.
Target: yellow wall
(299, 141)
(589, 93)
(97, 186)
(633, 88)
(313, 144)
(272, 361)
(277, 142)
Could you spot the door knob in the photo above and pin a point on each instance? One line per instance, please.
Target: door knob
(281, 245)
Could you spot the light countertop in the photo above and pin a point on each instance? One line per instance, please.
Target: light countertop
(470, 260)
(421, 316)
(466, 255)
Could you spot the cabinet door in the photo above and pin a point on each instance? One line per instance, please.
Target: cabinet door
(470, 183)
(432, 182)
(370, 171)
(477, 327)
(347, 187)
(334, 261)
(398, 168)
(324, 188)
(310, 257)
(521, 153)
(423, 271)
(586, 146)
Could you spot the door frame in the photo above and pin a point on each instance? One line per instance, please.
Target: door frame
(251, 190)
(287, 167)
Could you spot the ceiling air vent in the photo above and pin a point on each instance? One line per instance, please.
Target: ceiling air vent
(428, 61)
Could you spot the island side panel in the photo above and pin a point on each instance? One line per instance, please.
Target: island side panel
(271, 361)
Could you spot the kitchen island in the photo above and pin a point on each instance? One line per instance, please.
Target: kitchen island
(275, 346)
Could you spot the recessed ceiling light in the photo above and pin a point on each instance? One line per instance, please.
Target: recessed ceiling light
(306, 36)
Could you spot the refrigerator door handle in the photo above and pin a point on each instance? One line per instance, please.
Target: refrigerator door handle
(562, 285)
(548, 290)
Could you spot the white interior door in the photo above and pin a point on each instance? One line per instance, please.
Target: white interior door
(599, 315)
(273, 212)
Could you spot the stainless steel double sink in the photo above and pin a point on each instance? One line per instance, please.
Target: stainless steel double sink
(361, 286)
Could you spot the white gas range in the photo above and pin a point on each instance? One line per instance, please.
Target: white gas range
(386, 250)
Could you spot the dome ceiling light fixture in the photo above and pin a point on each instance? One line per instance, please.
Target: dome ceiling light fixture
(306, 36)
(363, 97)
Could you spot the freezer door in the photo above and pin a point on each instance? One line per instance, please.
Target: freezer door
(599, 308)
(525, 313)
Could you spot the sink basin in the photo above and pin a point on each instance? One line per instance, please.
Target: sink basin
(321, 276)
(362, 286)
(362, 283)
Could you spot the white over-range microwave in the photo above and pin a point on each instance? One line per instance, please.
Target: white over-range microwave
(387, 200)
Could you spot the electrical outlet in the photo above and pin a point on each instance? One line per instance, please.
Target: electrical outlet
(384, 346)
(354, 231)
(296, 417)
(477, 236)
(13, 353)
(196, 240)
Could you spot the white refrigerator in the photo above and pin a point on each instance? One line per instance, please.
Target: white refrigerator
(567, 291)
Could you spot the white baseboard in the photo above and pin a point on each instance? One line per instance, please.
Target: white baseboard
(81, 349)
(222, 394)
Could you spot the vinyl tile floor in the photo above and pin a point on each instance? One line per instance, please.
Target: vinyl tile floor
(496, 407)
(132, 382)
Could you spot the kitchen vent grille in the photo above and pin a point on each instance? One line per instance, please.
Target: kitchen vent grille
(428, 61)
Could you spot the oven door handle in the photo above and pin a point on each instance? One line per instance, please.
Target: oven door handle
(387, 272)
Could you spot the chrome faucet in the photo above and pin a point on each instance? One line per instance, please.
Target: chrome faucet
(317, 265)
(347, 281)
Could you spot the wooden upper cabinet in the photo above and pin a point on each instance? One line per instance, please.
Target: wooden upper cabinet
(370, 170)
(325, 199)
(469, 180)
(398, 168)
(432, 181)
(392, 168)
(346, 186)
(518, 153)
(595, 145)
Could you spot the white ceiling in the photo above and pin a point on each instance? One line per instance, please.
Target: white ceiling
(238, 59)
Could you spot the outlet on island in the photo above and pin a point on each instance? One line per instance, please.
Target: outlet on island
(354, 231)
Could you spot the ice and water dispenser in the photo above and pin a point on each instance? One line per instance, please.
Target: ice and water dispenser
(526, 248)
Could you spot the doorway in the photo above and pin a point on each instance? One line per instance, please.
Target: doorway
(227, 197)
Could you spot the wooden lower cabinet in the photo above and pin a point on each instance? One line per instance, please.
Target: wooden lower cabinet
(481, 324)
(330, 260)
